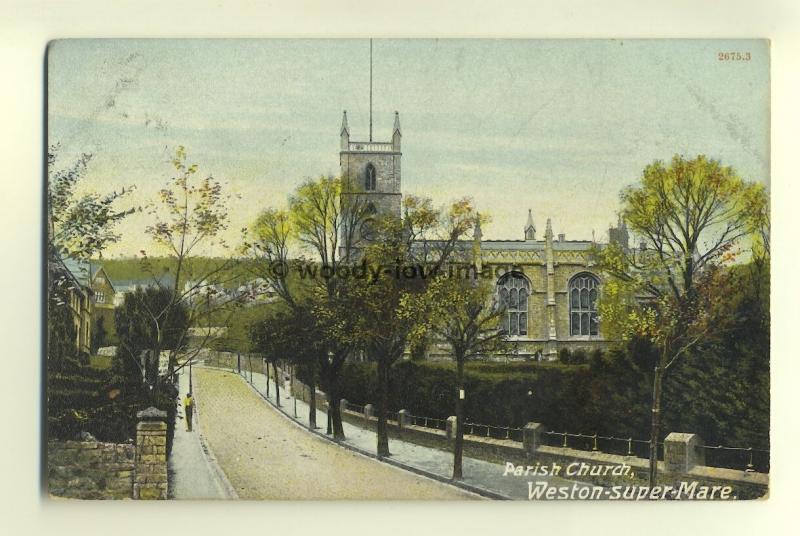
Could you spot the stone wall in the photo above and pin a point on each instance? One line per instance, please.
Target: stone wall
(90, 469)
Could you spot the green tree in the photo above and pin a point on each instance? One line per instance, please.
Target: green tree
(268, 244)
(138, 334)
(689, 216)
(394, 304)
(99, 334)
(465, 316)
(326, 215)
(79, 226)
(273, 338)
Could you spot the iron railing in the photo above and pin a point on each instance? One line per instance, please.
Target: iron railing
(493, 431)
(748, 459)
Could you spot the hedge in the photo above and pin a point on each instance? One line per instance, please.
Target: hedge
(496, 393)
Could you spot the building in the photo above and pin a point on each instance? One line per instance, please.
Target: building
(104, 303)
(80, 300)
(93, 295)
(549, 284)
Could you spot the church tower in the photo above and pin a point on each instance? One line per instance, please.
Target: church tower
(371, 169)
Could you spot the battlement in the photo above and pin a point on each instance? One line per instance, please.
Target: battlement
(371, 147)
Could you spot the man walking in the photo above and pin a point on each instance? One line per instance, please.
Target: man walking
(188, 409)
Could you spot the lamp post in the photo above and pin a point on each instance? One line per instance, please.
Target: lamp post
(328, 395)
(530, 404)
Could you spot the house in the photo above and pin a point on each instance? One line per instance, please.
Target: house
(74, 275)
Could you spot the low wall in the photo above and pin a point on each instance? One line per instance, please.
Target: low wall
(90, 469)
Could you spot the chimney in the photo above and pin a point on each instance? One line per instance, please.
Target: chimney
(562, 237)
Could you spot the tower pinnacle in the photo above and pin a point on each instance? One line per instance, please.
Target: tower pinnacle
(530, 228)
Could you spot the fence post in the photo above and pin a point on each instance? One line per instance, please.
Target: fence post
(451, 428)
(342, 408)
(532, 437)
(682, 452)
(368, 413)
(403, 419)
(150, 462)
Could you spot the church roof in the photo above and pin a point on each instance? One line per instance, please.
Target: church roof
(539, 245)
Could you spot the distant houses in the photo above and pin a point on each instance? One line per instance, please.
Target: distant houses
(126, 286)
(92, 297)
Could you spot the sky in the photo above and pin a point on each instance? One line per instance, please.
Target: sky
(555, 126)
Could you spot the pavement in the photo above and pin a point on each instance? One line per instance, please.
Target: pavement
(192, 468)
(486, 478)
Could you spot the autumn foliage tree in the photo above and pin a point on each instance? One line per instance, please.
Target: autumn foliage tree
(189, 216)
(691, 218)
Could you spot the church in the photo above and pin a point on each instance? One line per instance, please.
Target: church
(551, 296)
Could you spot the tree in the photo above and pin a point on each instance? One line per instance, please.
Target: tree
(99, 334)
(138, 334)
(689, 216)
(272, 337)
(268, 244)
(190, 215)
(61, 332)
(79, 226)
(82, 225)
(326, 215)
(393, 304)
(465, 316)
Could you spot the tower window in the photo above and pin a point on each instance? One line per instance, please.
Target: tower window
(369, 178)
(513, 290)
(583, 317)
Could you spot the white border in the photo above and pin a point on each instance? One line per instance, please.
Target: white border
(27, 25)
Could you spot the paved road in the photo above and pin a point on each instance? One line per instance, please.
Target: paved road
(191, 474)
(480, 474)
(265, 456)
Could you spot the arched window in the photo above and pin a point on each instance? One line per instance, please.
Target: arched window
(369, 178)
(513, 291)
(583, 319)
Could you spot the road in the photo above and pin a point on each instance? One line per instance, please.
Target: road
(265, 456)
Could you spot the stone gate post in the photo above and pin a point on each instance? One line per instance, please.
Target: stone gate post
(368, 414)
(451, 428)
(150, 462)
(682, 452)
(532, 438)
(403, 419)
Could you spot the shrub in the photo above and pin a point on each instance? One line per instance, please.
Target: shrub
(579, 357)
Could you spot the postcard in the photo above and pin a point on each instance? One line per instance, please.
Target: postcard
(403, 269)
